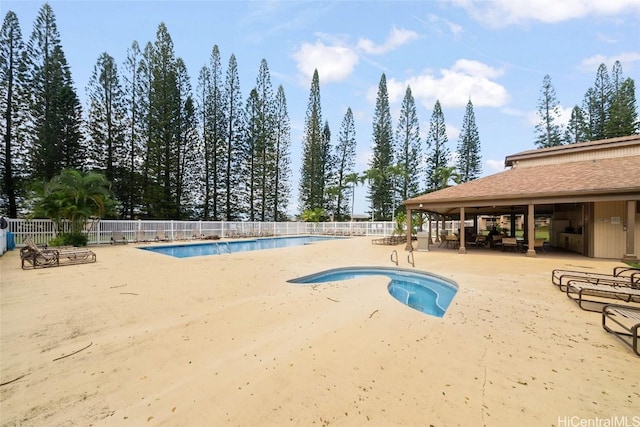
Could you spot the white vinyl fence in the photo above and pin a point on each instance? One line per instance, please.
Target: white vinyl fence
(100, 232)
(3, 241)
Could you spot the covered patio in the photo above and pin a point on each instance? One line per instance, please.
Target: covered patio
(593, 186)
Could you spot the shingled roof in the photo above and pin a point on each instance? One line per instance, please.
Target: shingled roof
(616, 178)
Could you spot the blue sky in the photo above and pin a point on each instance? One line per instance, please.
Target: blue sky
(494, 52)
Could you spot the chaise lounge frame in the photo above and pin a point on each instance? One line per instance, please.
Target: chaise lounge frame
(118, 237)
(31, 256)
(627, 320)
(578, 289)
(622, 276)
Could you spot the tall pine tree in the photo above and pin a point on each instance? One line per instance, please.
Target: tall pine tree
(575, 130)
(380, 182)
(12, 106)
(311, 191)
(469, 158)
(601, 100)
(622, 119)
(282, 136)
(55, 116)
(133, 92)
(265, 153)
(345, 155)
(548, 130)
(106, 123)
(213, 124)
(437, 150)
(235, 148)
(250, 170)
(164, 111)
(408, 152)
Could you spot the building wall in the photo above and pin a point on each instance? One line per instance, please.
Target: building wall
(609, 236)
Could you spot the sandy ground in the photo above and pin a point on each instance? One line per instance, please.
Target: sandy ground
(225, 340)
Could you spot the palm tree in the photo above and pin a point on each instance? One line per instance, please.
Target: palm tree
(334, 192)
(71, 198)
(444, 174)
(353, 179)
(396, 171)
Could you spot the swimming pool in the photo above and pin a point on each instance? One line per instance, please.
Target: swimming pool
(422, 291)
(218, 248)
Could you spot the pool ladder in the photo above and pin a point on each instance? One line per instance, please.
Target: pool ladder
(223, 245)
(396, 259)
(410, 259)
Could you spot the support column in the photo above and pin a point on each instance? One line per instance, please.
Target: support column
(409, 246)
(630, 250)
(461, 248)
(531, 231)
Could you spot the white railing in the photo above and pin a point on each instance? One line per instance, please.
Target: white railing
(100, 232)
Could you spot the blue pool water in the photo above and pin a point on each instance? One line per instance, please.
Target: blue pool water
(219, 248)
(421, 291)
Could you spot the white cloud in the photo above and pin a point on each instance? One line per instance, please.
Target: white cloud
(454, 87)
(397, 37)
(563, 118)
(592, 63)
(333, 62)
(453, 28)
(452, 134)
(494, 166)
(500, 13)
(510, 111)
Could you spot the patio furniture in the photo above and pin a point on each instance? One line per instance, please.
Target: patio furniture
(510, 244)
(183, 235)
(626, 321)
(577, 290)
(539, 244)
(622, 276)
(141, 236)
(452, 241)
(31, 256)
(478, 241)
(443, 239)
(162, 236)
(118, 237)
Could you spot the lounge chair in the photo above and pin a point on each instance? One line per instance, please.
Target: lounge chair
(141, 236)
(162, 236)
(31, 256)
(452, 241)
(183, 235)
(210, 237)
(477, 241)
(577, 290)
(622, 276)
(118, 237)
(539, 244)
(627, 320)
(510, 244)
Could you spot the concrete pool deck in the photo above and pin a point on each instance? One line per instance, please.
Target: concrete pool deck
(225, 340)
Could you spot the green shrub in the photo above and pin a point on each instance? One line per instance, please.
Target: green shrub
(70, 239)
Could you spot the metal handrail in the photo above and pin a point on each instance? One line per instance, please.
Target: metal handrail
(396, 260)
(410, 259)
